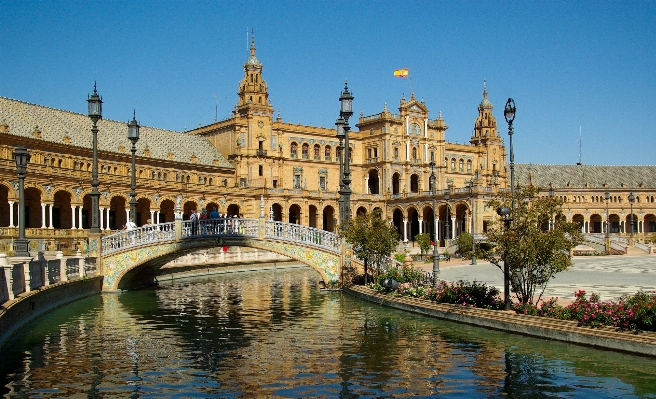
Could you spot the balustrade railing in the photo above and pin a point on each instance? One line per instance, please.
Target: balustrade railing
(17, 278)
(303, 234)
(220, 227)
(140, 236)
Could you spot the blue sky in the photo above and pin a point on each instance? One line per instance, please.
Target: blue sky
(587, 64)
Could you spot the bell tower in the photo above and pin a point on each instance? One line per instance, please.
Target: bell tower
(485, 127)
(253, 93)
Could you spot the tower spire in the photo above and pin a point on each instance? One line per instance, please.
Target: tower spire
(253, 43)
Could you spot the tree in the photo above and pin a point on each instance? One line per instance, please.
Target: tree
(465, 244)
(373, 240)
(535, 253)
(424, 242)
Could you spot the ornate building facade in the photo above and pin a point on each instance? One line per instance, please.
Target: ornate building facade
(231, 163)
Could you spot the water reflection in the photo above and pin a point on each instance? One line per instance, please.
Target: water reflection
(275, 334)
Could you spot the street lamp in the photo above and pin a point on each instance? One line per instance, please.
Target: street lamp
(436, 255)
(95, 113)
(505, 213)
(471, 203)
(509, 114)
(552, 222)
(133, 135)
(22, 157)
(607, 197)
(631, 200)
(345, 112)
(447, 197)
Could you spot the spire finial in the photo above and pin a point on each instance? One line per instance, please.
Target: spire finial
(253, 42)
(484, 88)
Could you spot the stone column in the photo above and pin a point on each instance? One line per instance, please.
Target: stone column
(11, 214)
(43, 215)
(405, 229)
(101, 218)
(421, 224)
(366, 185)
(51, 225)
(73, 209)
(79, 216)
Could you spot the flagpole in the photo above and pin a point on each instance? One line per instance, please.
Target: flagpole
(410, 78)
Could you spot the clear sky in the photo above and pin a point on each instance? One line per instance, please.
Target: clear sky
(570, 66)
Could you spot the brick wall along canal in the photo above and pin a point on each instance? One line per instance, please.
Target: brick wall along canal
(275, 334)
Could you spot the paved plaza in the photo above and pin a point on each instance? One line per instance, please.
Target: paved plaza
(608, 276)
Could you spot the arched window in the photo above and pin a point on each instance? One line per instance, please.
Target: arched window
(453, 164)
(293, 150)
(327, 152)
(305, 149)
(317, 151)
(469, 166)
(461, 164)
(414, 153)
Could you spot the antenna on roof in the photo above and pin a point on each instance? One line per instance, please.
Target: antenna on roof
(580, 145)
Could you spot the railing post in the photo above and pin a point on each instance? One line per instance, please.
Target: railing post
(80, 263)
(26, 274)
(62, 266)
(6, 268)
(44, 272)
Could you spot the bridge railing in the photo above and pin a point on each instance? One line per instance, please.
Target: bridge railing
(615, 242)
(220, 227)
(142, 235)
(303, 234)
(17, 278)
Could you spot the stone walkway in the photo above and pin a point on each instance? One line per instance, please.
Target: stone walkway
(608, 276)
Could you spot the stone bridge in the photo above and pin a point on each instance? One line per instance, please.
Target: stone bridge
(133, 258)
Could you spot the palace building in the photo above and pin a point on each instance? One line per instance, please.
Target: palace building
(231, 164)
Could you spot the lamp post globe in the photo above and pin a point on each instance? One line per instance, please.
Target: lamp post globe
(133, 136)
(95, 114)
(22, 158)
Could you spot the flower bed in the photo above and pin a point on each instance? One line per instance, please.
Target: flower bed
(631, 312)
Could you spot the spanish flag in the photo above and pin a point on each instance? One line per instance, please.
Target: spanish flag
(401, 73)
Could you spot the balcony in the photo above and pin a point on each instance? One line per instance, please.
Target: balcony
(261, 153)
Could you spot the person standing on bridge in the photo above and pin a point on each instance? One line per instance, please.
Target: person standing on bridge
(194, 222)
(214, 216)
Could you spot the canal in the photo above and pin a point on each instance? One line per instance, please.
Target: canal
(275, 334)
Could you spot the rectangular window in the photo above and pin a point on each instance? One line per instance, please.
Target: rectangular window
(261, 170)
(297, 182)
(322, 183)
(275, 184)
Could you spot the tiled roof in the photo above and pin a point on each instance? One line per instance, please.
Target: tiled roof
(586, 176)
(64, 127)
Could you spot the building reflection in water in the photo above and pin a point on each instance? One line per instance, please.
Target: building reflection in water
(276, 334)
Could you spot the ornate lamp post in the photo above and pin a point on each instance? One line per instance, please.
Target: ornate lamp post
(436, 255)
(509, 114)
(95, 113)
(22, 158)
(345, 112)
(447, 197)
(631, 200)
(607, 197)
(133, 135)
(552, 224)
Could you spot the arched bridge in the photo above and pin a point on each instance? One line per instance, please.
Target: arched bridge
(132, 258)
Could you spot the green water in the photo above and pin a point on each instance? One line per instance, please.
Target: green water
(276, 334)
